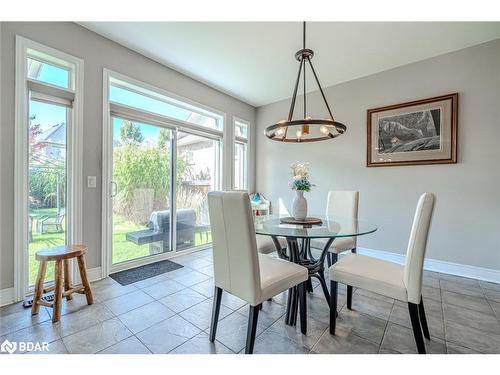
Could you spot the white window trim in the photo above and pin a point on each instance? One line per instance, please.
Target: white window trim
(166, 97)
(115, 109)
(74, 158)
(236, 139)
(166, 93)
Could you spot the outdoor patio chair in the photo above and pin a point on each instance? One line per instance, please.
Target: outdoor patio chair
(54, 220)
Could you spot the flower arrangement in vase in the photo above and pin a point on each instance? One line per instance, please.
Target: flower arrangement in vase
(300, 183)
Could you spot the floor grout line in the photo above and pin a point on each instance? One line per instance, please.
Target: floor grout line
(493, 310)
(272, 320)
(385, 328)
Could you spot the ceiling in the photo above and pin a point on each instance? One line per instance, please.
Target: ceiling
(253, 61)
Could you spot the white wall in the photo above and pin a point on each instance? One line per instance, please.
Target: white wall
(97, 53)
(466, 226)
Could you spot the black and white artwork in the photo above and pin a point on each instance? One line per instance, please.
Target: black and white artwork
(412, 131)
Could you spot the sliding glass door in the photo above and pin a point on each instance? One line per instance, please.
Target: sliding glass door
(141, 190)
(163, 156)
(198, 171)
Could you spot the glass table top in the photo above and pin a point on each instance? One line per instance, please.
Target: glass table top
(332, 226)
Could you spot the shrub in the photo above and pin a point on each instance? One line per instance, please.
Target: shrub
(136, 169)
(43, 186)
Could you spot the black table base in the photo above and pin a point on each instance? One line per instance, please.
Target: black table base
(301, 254)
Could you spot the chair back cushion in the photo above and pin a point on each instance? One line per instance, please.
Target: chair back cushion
(343, 204)
(415, 253)
(236, 262)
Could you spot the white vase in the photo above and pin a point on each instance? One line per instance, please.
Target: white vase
(299, 206)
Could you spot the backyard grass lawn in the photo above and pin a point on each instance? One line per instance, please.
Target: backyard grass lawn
(42, 241)
(123, 250)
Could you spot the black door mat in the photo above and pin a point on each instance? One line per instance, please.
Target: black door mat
(144, 272)
(47, 297)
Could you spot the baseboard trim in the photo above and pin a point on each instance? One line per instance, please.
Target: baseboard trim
(7, 295)
(464, 270)
(94, 274)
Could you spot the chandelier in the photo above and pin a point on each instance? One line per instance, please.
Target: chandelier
(305, 129)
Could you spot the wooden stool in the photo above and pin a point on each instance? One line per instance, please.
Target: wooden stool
(61, 255)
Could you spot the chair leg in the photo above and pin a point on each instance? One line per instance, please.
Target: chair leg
(56, 307)
(423, 319)
(252, 328)
(309, 286)
(353, 251)
(38, 287)
(333, 306)
(329, 259)
(349, 297)
(303, 307)
(215, 312)
(417, 331)
(288, 306)
(85, 280)
(322, 281)
(67, 278)
(295, 306)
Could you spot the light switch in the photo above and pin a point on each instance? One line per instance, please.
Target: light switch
(91, 181)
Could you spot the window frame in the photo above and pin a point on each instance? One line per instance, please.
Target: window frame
(240, 140)
(26, 48)
(112, 109)
(155, 93)
(55, 58)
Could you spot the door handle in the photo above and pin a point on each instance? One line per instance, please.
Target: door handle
(114, 189)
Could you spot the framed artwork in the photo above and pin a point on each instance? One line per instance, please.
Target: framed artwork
(413, 133)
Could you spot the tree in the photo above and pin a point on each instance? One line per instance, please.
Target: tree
(164, 139)
(131, 133)
(35, 129)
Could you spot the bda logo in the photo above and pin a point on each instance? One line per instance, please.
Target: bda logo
(9, 347)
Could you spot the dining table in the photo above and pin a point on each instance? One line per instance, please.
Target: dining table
(298, 235)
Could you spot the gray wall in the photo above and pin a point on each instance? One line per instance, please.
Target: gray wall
(98, 53)
(466, 226)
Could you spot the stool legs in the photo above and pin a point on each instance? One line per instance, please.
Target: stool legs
(56, 313)
(38, 287)
(62, 256)
(85, 280)
(67, 278)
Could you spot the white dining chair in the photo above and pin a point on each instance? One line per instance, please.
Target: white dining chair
(238, 267)
(403, 283)
(342, 204)
(265, 244)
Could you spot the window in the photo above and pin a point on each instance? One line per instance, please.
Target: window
(240, 162)
(47, 181)
(122, 92)
(164, 155)
(48, 163)
(48, 73)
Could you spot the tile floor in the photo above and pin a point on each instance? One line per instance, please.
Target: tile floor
(171, 313)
